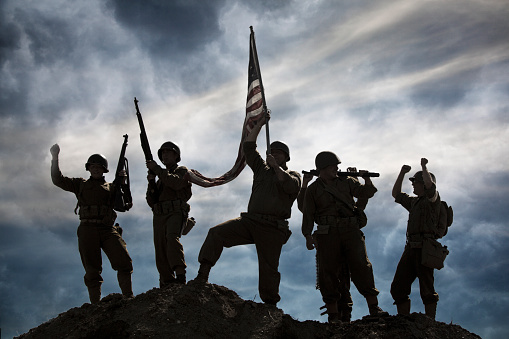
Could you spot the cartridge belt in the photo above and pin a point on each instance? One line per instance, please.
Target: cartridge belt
(335, 221)
(96, 212)
(170, 206)
(415, 240)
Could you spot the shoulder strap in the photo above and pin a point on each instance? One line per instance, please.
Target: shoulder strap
(82, 183)
(335, 193)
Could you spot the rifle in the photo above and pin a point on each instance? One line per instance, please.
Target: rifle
(143, 135)
(123, 199)
(350, 172)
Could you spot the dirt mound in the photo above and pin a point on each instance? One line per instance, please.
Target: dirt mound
(213, 311)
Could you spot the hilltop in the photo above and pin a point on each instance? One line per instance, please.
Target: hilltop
(213, 311)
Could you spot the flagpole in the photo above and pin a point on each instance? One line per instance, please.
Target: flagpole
(257, 66)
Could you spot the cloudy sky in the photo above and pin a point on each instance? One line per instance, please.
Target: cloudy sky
(381, 83)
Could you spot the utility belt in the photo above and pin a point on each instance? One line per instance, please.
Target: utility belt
(324, 224)
(281, 223)
(106, 222)
(97, 214)
(170, 206)
(416, 240)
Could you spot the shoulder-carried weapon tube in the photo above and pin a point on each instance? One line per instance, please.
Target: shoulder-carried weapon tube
(344, 174)
(143, 135)
(123, 199)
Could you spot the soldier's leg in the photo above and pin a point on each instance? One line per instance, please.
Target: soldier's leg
(269, 241)
(427, 289)
(345, 303)
(401, 286)
(116, 250)
(328, 261)
(90, 252)
(361, 269)
(174, 248)
(230, 233)
(166, 275)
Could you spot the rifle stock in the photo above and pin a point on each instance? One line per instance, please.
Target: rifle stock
(123, 199)
(344, 174)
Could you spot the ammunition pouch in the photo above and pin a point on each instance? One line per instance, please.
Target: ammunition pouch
(118, 229)
(97, 214)
(433, 253)
(171, 206)
(189, 224)
(362, 219)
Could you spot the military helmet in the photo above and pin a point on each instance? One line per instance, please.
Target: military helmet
(281, 146)
(326, 158)
(418, 176)
(97, 159)
(168, 145)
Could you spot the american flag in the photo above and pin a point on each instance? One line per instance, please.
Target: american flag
(255, 110)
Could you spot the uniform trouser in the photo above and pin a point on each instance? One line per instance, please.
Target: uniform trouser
(168, 248)
(409, 268)
(345, 302)
(342, 245)
(93, 237)
(268, 240)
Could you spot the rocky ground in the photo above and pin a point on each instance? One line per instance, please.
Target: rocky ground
(213, 311)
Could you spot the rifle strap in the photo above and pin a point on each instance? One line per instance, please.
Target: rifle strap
(335, 193)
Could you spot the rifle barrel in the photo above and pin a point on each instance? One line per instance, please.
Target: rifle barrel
(345, 174)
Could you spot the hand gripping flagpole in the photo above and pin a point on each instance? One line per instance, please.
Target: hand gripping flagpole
(257, 66)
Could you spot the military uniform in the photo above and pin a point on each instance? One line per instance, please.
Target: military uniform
(345, 302)
(96, 231)
(168, 199)
(265, 223)
(338, 235)
(422, 223)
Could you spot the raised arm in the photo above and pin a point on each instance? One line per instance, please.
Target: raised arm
(428, 182)
(255, 131)
(399, 181)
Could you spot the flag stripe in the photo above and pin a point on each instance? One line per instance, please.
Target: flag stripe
(254, 112)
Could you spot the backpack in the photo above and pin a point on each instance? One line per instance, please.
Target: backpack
(445, 217)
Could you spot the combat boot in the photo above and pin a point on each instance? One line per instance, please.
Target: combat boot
(374, 309)
(125, 283)
(346, 315)
(181, 279)
(404, 307)
(333, 313)
(94, 294)
(431, 310)
(203, 273)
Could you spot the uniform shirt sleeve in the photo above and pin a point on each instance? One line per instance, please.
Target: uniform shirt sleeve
(404, 200)
(253, 157)
(308, 215)
(300, 198)
(361, 191)
(65, 183)
(152, 193)
(175, 181)
(432, 193)
(291, 183)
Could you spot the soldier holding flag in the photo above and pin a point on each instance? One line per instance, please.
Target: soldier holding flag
(265, 224)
